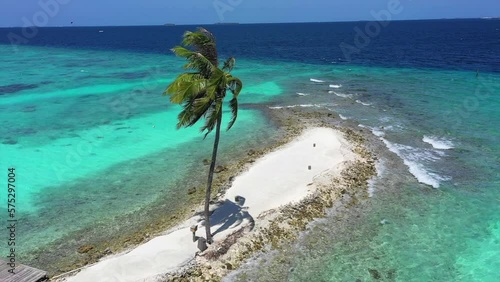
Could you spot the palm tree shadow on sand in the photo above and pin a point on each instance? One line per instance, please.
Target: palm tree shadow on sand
(229, 215)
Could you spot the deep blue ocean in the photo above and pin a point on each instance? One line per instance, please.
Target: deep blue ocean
(96, 150)
(443, 44)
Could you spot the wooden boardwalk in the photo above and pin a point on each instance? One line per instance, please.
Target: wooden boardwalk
(23, 273)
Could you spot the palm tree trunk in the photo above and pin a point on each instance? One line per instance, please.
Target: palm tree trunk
(208, 192)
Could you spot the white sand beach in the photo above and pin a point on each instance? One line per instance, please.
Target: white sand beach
(278, 178)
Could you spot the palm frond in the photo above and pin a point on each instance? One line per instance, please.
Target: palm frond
(233, 104)
(212, 115)
(184, 86)
(186, 115)
(234, 84)
(196, 61)
(215, 85)
(203, 42)
(194, 108)
(202, 90)
(202, 105)
(200, 109)
(229, 64)
(182, 52)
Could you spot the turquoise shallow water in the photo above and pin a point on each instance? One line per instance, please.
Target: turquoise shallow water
(437, 190)
(94, 144)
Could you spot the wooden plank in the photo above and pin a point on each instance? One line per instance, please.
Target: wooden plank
(22, 273)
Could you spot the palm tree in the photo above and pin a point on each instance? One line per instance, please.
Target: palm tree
(201, 92)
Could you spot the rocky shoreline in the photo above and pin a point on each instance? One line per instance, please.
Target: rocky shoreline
(278, 227)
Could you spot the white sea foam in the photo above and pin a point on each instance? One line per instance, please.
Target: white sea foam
(386, 119)
(412, 158)
(335, 86)
(438, 143)
(316, 80)
(295, 106)
(342, 117)
(377, 132)
(305, 106)
(363, 103)
(302, 94)
(380, 168)
(341, 94)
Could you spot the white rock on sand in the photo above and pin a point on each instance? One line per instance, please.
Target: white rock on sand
(278, 178)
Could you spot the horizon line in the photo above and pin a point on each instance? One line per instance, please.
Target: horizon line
(237, 23)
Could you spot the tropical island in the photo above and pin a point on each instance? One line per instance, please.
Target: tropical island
(295, 151)
(275, 195)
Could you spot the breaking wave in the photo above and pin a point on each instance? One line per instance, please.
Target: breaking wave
(438, 143)
(413, 158)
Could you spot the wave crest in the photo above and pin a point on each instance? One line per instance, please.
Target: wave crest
(316, 80)
(412, 158)
(438, 143)
(363, 103)
(341, 94)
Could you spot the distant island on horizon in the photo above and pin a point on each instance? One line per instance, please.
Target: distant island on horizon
(237, 23)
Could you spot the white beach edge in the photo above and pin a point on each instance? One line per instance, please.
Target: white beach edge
(278, 178)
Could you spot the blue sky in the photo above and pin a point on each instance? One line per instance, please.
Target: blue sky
(155, 12)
